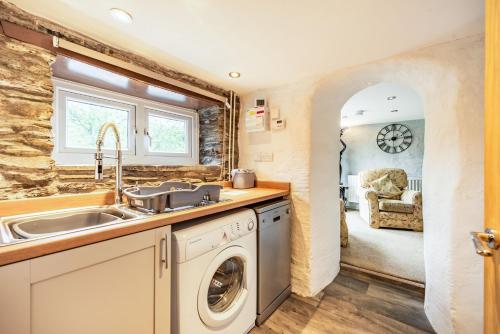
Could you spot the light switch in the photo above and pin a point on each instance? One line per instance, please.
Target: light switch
(275, 113)
(266, 156)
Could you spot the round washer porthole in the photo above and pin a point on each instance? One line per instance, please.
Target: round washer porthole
(226, 284)
(223, 290)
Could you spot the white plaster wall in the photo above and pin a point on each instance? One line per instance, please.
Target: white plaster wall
(291, 154)
(325, 209)
(363, 153)
(449, 79)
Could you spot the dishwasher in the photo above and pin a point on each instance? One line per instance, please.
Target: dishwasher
(274, 258)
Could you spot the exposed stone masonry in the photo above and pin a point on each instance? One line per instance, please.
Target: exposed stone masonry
(211, 133)
(13, 14)
(77, 179)
(26, 168)
(26, 140)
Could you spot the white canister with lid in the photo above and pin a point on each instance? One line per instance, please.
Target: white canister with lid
(243, 178)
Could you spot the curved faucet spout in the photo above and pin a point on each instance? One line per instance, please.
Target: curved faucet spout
(102, 132)
(118, 157)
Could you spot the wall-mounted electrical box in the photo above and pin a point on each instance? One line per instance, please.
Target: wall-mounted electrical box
(256, 119)
(260, 102)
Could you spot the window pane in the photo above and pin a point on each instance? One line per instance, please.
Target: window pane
(167, 135)
(83, 121)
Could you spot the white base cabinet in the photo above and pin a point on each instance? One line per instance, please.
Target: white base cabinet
(117, 286)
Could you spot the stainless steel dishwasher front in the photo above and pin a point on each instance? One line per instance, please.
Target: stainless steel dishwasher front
(273, 242)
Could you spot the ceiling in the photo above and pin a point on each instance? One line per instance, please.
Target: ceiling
(271, 43)
(378, 104)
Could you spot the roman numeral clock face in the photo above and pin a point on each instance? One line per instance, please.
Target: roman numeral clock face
(394, 138)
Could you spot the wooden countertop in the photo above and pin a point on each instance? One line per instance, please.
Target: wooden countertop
(31, 249)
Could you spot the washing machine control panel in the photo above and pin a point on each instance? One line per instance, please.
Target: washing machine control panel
(240, 228)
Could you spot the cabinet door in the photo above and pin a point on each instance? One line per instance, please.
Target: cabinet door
(162, 280)
(104, 288)
(15, 298)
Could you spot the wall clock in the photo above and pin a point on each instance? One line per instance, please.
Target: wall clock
(394, 138)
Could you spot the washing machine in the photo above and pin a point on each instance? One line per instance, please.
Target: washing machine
(214, 288)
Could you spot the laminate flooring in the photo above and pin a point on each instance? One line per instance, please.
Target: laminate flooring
(353, 303)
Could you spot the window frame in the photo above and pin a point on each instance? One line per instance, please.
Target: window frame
(137, 154)
(171, 114)
(65, 95)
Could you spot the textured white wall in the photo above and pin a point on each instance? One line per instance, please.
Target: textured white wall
(449, 79)
(316, 238)
(291, 150)
(363, 153)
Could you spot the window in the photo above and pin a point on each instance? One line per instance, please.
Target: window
(168, 134)
(81, 118)
(150, 132)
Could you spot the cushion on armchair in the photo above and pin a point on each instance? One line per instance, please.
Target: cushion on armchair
(385, 188)
(396, 175)
(392, 205)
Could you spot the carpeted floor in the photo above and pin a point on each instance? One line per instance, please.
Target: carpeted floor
(389, 251)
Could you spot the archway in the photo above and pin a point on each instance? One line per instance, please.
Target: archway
(451, 171)
(383, 128)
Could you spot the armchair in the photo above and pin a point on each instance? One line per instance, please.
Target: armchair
(403, 212)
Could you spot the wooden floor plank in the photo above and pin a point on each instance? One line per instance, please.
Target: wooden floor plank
(352, 304)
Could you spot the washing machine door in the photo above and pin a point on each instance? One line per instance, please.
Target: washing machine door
(224, 287)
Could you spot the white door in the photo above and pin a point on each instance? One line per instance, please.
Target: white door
(224, 287)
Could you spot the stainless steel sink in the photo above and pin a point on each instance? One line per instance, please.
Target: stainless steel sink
(45, 224)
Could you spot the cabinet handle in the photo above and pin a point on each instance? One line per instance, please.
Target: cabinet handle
(163, 252)
(166, 251)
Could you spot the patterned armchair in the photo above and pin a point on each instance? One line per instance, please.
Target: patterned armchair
(402, 212)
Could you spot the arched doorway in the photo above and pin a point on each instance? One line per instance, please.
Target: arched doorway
(450, 170)
(383, 129)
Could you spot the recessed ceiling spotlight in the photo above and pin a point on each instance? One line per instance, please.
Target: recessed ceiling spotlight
(234, 75)
(121, 15)
(359, 112)
(395, 110)
(391, 98)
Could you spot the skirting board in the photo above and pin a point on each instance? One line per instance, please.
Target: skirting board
(386, 277)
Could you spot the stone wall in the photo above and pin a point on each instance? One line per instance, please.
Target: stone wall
(26, 168)
(13, 14)
(26, 140)
(213, 123)
(211, 134)
(78, 179)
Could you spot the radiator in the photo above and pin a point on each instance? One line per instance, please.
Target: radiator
(414, 184)
(352, 191)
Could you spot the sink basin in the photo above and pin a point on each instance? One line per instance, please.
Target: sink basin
(57, 222)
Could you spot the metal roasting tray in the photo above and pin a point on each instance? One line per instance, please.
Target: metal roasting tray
(171, 195)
